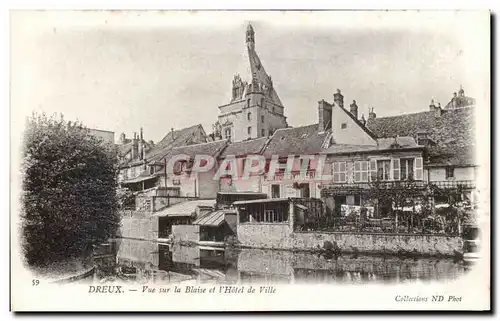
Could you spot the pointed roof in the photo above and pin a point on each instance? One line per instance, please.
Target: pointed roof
(250, 68)
(177, 138)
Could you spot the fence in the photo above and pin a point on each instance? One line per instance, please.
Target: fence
(443, 222)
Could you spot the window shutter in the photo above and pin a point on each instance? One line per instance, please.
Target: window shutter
(349, 177)
(395, 169)
(419, 169)
(373, 170)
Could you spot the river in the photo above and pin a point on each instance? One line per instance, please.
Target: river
(144, 262)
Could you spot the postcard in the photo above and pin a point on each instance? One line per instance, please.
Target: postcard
(246, 160)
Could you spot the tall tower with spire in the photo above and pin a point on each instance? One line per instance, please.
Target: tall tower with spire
(253, 108)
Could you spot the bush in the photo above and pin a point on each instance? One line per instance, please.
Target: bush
(69, 191)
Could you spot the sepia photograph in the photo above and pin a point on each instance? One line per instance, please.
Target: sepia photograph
(239, 160)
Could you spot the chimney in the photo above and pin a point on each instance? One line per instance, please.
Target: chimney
(354, 109)
(432, 106)
(123, 138)
(151, 143)
(422, 138)
(363, 120)
(324, 115)
(338, 98)
(371, 114)
(142, 148)
(454, 100)
(438, 110)
(135, 146)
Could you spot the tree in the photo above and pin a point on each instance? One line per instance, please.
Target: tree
(69, 191)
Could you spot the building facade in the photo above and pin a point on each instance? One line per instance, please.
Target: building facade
(254, 109)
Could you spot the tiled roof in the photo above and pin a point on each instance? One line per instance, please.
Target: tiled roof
(452, 133)
(382, 144)
(182, 137)
(459, 102)
(123, 149)
(305, 140)
(212, 149)
(212, 219)
(187, 208)
(243, 148)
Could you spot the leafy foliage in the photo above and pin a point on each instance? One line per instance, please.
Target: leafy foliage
(69, 182)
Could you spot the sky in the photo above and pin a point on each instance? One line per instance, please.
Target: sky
(119, 71)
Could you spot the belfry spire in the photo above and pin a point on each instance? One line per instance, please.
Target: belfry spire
(250, 37)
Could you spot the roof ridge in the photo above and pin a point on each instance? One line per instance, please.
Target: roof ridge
(363, 127)
(206, 143)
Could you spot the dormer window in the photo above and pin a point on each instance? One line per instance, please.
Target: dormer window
(450, 173)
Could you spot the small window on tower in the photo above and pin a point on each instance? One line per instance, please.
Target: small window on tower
(343, 126)
(450, 173)
(262, 118)
(249, 130)
(262, 102)
(263, 132)
(249, 116)
(248, 102)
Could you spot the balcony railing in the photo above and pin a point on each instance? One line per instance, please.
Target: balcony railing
(401, 184)
(469, 184)
(294, 175)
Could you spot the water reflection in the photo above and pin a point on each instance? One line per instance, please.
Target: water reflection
(144, 262)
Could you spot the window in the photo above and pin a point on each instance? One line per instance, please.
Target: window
(373, 170)
(339, 172)
(275, 191)
(361, 171)
(133, 172)
(406, 165)
(450, 172)
(151, 170)
(273, 109)
(263, 132)
(304, 190)
(383, 170)
(262, 118)
(249, 130)
(228, 133)
(343, 125)
(248, 102)
(262, 102)
(249, 116)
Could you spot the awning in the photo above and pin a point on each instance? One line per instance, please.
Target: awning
(138, 179)
(302, 207)
(267, 200)
(184, 209)
(211, 219)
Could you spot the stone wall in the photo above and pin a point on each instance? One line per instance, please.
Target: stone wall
(264, 235)
(139, 225)
(280, 236)
(186, 233)
(379, 243)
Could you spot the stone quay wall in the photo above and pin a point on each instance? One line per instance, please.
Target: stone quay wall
(282, 236)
